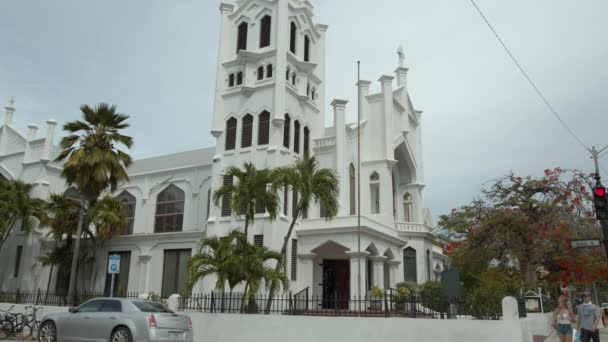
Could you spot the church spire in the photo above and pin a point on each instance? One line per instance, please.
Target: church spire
(9, 111)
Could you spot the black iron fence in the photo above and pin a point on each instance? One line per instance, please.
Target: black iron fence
(390, 304)
(38, 297)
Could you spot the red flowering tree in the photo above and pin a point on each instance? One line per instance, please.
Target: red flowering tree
(523, 226)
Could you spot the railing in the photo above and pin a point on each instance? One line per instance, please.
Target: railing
(410, 227)
(324, 142)
(300, 301)
(38, 297)
(391, 304)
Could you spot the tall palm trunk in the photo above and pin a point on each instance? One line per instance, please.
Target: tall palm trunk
(75, 257)
(280, 262)
(10, 224)
(246, 228)
(243, 299)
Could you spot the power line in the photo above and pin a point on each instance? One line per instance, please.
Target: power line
(580, 141)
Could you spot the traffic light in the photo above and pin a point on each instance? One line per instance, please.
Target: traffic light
(601, 202)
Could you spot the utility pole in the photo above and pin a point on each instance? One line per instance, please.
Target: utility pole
(595, 155)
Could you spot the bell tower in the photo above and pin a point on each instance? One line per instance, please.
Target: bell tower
(269, 98)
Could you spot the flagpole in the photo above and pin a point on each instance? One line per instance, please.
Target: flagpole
(359, 178)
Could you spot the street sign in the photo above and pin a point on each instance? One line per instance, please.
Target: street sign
(114, 264)
(585, 243)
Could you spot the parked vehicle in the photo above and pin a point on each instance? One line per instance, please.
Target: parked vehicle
(116, 320)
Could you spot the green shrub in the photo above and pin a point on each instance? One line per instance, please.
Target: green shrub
(377, 292)
(431, 298)
(411, 286)
(485, 300)
(402, 295)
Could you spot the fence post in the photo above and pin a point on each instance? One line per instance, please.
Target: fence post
(173, 302)
(307, 298)
(336, 302)
(386, 308)
(292, 308)
(212, 302)
(510, 309)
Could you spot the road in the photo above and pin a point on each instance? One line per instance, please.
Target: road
(603, 336)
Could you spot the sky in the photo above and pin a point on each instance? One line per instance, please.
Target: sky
(481, 120)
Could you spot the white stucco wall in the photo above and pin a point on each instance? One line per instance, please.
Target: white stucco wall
(255, 328)
(242, 328)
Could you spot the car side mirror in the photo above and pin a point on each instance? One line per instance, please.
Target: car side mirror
(73, 310)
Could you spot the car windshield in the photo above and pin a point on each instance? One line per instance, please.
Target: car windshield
(151, 307)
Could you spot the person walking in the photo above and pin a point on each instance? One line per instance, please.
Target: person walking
(563, 318)
(589, 317)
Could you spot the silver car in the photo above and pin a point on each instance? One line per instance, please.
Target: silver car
(116, 320)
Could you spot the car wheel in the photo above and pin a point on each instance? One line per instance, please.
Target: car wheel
(121, 334)
(48, 332)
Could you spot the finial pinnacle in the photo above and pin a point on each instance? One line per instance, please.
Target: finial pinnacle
(11, 101)
(401, 55)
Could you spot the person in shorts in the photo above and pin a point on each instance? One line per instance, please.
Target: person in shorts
(563, 318)
(588, 320)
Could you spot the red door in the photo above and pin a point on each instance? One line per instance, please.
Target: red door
(343, 283)
(336, 284)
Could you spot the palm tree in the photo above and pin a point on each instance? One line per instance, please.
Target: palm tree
(256, 273)
(108, 216)
(62, 219)
(311, 183)
(250, 191)
(17, 204)
(217, 256)
(93, 161)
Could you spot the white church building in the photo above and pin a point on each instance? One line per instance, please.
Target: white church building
(270, 108)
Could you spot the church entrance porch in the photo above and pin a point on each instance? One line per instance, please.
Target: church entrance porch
(336, 287)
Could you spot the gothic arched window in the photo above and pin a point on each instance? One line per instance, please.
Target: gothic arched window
(260, 73)
(169, 210)
(286, 128)
(269, 71)
(231, 80)
(353, 189)
(306, 48)
(247, 137)
(288, 74)
(208, 202)
(296, 136)
(264, 128)
(409, 265)
(407, 207)
(292, 37)
(230, 134)
(374, 187)
(239, 78)
(265, 29)
(285, 200)
(293, 78)
(227, 199)
(242, 37)
(129, 202)
(306, 141)
(428, 265)
(294, 204)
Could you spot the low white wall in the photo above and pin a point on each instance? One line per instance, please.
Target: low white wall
(242, 328)
(536, 325)
(19, 308)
